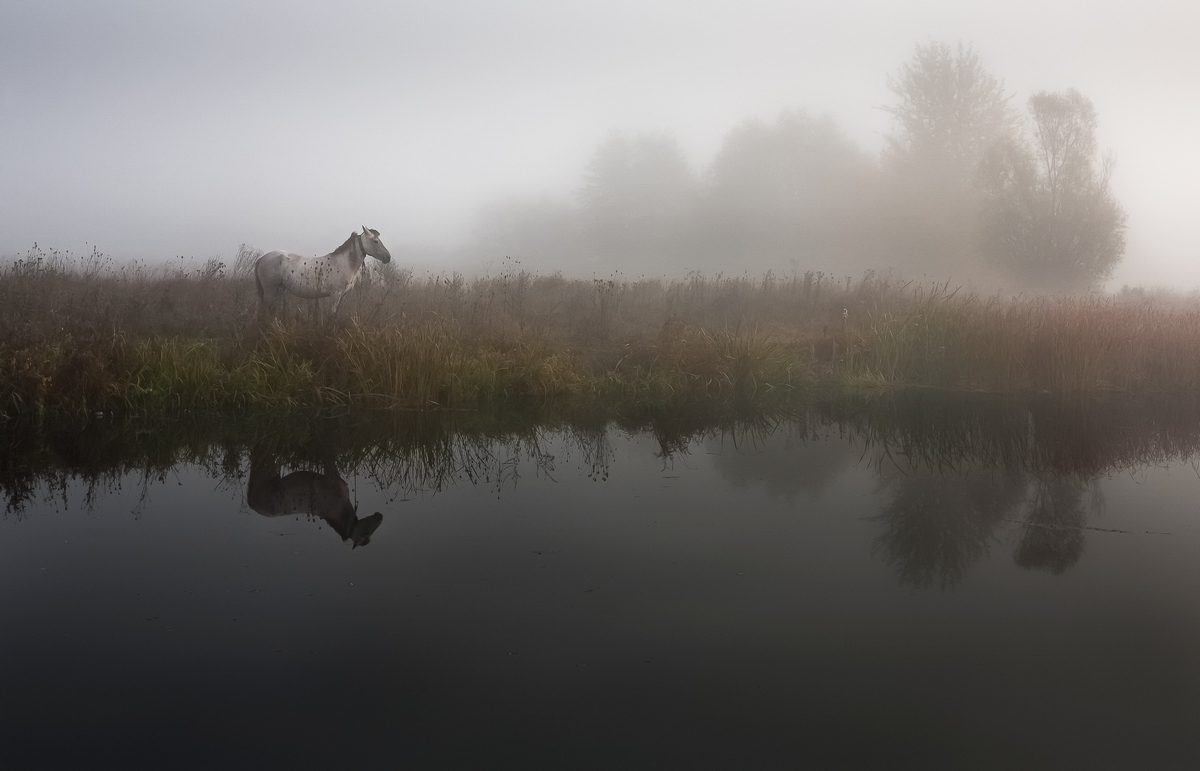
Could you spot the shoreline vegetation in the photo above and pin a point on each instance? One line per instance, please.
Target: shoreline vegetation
(85, 336)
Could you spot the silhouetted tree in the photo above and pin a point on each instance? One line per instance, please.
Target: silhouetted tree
(789, 190)
(1049, 215)
(950, 110)
(637, 195)
(637, 180)
(799, 168)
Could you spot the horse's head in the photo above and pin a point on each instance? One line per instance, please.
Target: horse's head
(360, 533)
(373, 246)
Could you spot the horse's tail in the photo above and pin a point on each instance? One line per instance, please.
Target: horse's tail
(258, 281)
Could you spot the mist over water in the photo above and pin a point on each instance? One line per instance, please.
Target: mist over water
(470, 133)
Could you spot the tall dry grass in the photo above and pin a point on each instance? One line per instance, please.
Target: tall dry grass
(1059, 345)
(80, 335)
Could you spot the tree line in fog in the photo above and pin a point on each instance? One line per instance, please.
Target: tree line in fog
(968, 187)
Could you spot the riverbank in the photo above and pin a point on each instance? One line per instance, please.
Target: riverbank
(87, 338)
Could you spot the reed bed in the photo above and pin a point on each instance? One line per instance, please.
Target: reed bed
(80, 336)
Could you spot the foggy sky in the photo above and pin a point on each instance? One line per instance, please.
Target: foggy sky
(154, 129)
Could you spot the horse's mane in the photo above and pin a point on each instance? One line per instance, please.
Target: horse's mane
(346, 246)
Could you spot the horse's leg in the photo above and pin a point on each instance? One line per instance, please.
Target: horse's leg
(268, 305)
(262, 490)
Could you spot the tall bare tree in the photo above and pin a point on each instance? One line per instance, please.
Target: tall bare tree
(638, 193)
(1049, 215)
(633, 180)
(949, 109)
(799, 167)
(791, 190)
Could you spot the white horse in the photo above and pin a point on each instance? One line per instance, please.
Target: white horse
(333, 275)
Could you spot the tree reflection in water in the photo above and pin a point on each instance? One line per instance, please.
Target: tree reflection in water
(1052, 534)
(958, 470)
(937, 525)
(953, 470)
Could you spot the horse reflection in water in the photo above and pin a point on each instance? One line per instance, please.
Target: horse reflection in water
(323, 495)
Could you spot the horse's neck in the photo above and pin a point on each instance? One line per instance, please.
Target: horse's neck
(356, 256)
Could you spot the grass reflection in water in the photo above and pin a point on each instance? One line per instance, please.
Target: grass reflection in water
(955, 473)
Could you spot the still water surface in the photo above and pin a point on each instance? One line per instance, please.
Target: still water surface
(994, 592)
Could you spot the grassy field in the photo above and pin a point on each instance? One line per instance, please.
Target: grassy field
(81, 336)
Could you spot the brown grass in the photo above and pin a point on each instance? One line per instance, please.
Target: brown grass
(86, 335)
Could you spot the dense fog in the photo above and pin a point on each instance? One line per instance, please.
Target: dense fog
(967, 188)
(1016, 145)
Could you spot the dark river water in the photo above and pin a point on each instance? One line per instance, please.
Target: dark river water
(929, 584)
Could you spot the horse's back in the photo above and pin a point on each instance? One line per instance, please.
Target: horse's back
(330, 275)
(300, 492)
(271, 258)
(280, 271)
(267, 269)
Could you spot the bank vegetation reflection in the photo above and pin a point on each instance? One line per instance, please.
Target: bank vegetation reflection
(956, 475)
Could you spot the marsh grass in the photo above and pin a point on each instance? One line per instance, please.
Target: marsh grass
(86, 335)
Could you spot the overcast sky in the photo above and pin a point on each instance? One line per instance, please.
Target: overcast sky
(153, 129)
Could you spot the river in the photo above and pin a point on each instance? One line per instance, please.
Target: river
(932, 583)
